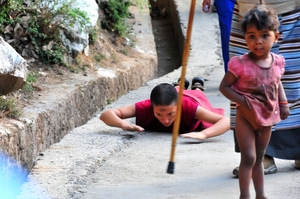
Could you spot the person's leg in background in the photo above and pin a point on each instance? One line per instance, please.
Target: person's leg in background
(224, 10)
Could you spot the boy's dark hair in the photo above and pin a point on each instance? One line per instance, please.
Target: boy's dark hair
(163, 95)
(262, 17)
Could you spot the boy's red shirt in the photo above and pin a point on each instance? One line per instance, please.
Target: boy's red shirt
(190, 101)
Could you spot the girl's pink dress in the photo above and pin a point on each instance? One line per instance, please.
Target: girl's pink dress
(259, 86)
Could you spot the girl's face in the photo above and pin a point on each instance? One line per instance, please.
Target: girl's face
(165, 114)
(260, 42)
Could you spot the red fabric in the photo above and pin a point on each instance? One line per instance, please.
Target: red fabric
(200, 98)
(190, 101)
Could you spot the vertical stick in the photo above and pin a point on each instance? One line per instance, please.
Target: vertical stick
(186, 50)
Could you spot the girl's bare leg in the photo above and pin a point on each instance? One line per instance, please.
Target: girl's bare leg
(262, 140)
(246, 140)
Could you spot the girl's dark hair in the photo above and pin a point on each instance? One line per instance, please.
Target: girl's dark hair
(163, 95)
(262, 17)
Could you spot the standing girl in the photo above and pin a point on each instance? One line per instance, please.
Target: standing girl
(253, 82)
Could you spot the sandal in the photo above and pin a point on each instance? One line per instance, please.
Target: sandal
(186, 83)
(269, 165)
(270, 169)
(198, 82)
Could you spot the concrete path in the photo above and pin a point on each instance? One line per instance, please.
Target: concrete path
(97, 162)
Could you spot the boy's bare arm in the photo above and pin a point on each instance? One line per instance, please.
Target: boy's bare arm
(114, 118)
(221, 124)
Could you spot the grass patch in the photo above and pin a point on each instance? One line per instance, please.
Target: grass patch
(31, 77)
(99, 57)
(28, 88)
(9, 107)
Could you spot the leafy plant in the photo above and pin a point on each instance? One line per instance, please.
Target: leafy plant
(116, 11)
(92, 35)
(9, 107)
(109, 101)
(31, 77)
(99, 57)
(28, 88)
(29, 26)
(55, 55)
(3, 18)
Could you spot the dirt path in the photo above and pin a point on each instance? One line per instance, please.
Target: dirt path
(202, 170)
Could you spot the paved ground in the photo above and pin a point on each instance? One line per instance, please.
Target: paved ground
(95, 161)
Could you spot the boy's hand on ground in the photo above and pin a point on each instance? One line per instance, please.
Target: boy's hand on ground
(132, 127)
(194, 135)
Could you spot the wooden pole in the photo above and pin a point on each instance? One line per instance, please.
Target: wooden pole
(185, 56)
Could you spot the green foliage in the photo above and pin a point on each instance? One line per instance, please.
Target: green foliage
(16, 5)
(109, 101)
(28, 88)
(71, 15)
(116, 11)
(8, 11)
(10, 106)
(92, 35)
(39, 25)
(3, 18)
(55, 55)
(31, 77)
(74, 69)
(99, 57)
(122, 28)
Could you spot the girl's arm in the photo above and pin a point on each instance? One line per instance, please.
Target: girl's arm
(283, 102)
(281, 93)
(221, 124)
(228, 92)
(114, 118)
